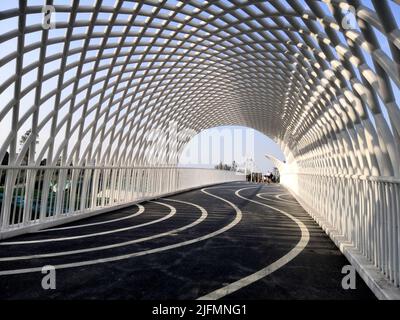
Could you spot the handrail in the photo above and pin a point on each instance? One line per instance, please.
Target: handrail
(347, 176)
(363, 211)
(36, 195)
(32, 167)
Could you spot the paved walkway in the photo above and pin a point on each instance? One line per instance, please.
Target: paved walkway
(231, 241)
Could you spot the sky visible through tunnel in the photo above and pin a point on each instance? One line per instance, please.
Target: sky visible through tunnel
(231, 143)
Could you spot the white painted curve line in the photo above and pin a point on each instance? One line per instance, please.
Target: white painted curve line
(171, 214)
(139, 212)
(279, 196)
(234, 222)
(116, 245)
(237, 285)
(267, 197)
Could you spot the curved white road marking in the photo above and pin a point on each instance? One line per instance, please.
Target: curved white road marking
(116, 245)
(139, 212)
(276, 198)
(279, 196)
(305, 237)
(234, 222)
(171, 213)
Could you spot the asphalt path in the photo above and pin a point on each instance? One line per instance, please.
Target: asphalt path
(230, 241)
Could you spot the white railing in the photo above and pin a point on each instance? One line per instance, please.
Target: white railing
(364, 211)
(33, 196)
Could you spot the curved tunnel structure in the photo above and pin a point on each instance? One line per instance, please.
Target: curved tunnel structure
(126, 84)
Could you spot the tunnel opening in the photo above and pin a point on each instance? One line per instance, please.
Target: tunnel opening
(231, 148)
(89, 103)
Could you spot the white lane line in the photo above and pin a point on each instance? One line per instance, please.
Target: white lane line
(279, 196)
(139, 212)
(171, 213)
(237, 285)
(268, 197)
(120, 244)
(234, 222)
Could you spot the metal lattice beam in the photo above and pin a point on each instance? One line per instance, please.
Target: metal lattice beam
(288, 69)
(319, 77)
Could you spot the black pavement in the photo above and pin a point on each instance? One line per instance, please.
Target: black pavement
(184, 247)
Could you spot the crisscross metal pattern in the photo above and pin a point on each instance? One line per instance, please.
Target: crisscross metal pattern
(319, 77)
(111, 71)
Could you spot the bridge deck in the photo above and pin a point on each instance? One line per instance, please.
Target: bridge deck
(232, 241)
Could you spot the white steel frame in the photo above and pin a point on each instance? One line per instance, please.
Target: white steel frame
(290, 69)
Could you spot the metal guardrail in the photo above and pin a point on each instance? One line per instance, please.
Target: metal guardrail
(365, 211)
(36, 195)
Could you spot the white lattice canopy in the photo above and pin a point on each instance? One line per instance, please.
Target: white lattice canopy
(319, 77)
